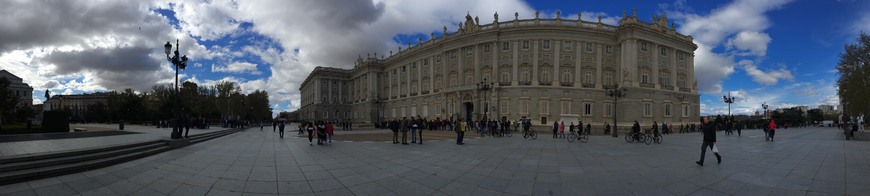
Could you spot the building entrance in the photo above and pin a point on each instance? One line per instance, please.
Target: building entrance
(467, 109)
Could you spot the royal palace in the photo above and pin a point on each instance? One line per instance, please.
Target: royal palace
(543, 69)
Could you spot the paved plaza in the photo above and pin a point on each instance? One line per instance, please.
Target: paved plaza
(805, 161)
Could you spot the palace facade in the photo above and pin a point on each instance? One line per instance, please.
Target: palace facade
(544, 69)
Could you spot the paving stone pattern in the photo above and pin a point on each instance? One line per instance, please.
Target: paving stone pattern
(805, 161)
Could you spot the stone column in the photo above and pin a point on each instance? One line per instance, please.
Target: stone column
(556, 74)
(516, 52)
(431, 74)
(655, 64)
(535, 71)
(690, 71)
(673, 66)
(599, 48)
(460, 67)
(578, 66)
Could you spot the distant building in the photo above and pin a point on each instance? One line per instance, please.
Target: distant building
(78, 105)
(827, 109)
(21, 89)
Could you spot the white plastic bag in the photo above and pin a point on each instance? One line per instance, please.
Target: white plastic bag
(715, 149)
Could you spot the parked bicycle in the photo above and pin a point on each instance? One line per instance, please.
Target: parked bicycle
(531, 134)
(638, 137)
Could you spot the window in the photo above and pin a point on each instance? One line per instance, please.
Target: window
(609, 49)
(403, 69)
(326, 114)
(524, 106)
(608, 78)
(545, 74)
(469, 51)
(668, 109)
(437, 108)
(568, 45)
(566, 77)
(588, 47)
(486, 48)
(681, 56)
(453, 55)
(525, 44)
(505, 46)
(587, 109)
(438, 58)
(546, 44)
(524, 75)
(685, 110)
(425, 61)
(504, 106)
(644, 74)
(608, 109)
(647, 109)
(665, 79)
(566, 107)
(486, 75)
(505, 75)
(544, 105)
(643, 46)
(587, 77)
(393, 113)
(664, 51)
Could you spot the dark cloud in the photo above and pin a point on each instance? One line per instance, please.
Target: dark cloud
(104, 60)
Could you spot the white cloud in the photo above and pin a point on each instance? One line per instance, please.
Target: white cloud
(739, 24)
(770, 77)
(236, 67)
(753, 42)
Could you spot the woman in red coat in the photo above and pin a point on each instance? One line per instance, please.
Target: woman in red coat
(329, 129)
(771, 129)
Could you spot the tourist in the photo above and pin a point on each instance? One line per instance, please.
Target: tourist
(321, 133)
(709, 141)
(771, 129)
(571, 128)
(394, 126)
(281, 130)
(635, 129)
(404, 126)
(655, 127)
(555, 128)
(275, 125)
(414, 127)
(420, 134)
(588, 127)
(460, 131)
(310, 130)
(330, 130)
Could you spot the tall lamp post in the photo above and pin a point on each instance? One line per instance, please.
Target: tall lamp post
(764, 105)
(729, 100)
(484, 86)
(377, 101)
(615, 92)
(180, 62)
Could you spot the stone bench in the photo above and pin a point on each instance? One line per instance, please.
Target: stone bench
(79, 129)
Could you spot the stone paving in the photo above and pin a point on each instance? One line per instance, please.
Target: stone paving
(805, 161)
(148, 133)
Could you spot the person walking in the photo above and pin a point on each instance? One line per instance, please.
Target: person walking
(555, 128)
(394, 126)
(261, 126)
(274, 125)
(709, 141)
(330, 130)
(635, 129)
(404, 126)
(281, 131)
(310, 130)
(655, 128)
(414, 127)
(460, 131)
(739, 128)
(420, 134)
(771, 129)
(562, 130)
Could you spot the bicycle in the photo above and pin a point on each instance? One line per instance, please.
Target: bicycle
(583, 136)
(637, 137)
(531, 134)
(657, 137)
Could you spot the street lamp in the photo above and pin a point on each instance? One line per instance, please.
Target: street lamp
(179, 63)
(764, 105)
(377, 101)
(484, 86)
(729, 99)
(615, 92)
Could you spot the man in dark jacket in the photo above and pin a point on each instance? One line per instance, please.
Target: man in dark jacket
(394, 126)
(709, 130)
(404, 126)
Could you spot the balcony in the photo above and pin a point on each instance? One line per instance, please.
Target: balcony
(670, 88)
(504, 83)
(413, 94)
(403, 96)
(545, 83)
(566, 84)
(588, 86)
(424, 92)
(685, 90)
(436, 90)
(647, 85)
(525, 83)
(393, 97)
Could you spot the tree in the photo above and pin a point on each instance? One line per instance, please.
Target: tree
(8, 101)
(815, 115)
(854, 70)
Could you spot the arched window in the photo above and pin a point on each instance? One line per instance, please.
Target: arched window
(525, 75)
(545, 74)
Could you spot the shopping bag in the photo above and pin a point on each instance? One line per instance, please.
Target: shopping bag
(715, 149)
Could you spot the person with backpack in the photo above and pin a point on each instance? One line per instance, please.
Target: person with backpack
(414, 127)
(404, 127)
(460, 131)
(771, 129)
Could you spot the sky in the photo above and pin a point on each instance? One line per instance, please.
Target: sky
(779, 52)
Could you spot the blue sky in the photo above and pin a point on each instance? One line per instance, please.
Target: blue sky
(778, 52)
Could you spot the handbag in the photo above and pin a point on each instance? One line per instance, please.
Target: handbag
(715, 149)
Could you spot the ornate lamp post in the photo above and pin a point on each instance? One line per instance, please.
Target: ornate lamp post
(764, 105)
(179, 63)
(484, 86)
(729, 99)
(615, 92)
(377, 101)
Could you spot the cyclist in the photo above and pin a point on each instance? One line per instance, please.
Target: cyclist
(635, 130)
(526, 125)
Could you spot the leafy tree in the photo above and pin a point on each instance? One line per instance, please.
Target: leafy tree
(815, 115)
(854, 70)
(8, 101)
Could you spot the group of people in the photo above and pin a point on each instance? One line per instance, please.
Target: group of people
(491, 126)
(423, 123)
(415, 125)
(559, 128)
(324, 131)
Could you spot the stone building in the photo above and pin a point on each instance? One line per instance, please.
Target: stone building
(544, 69)
(78, 105)
(21, 89)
